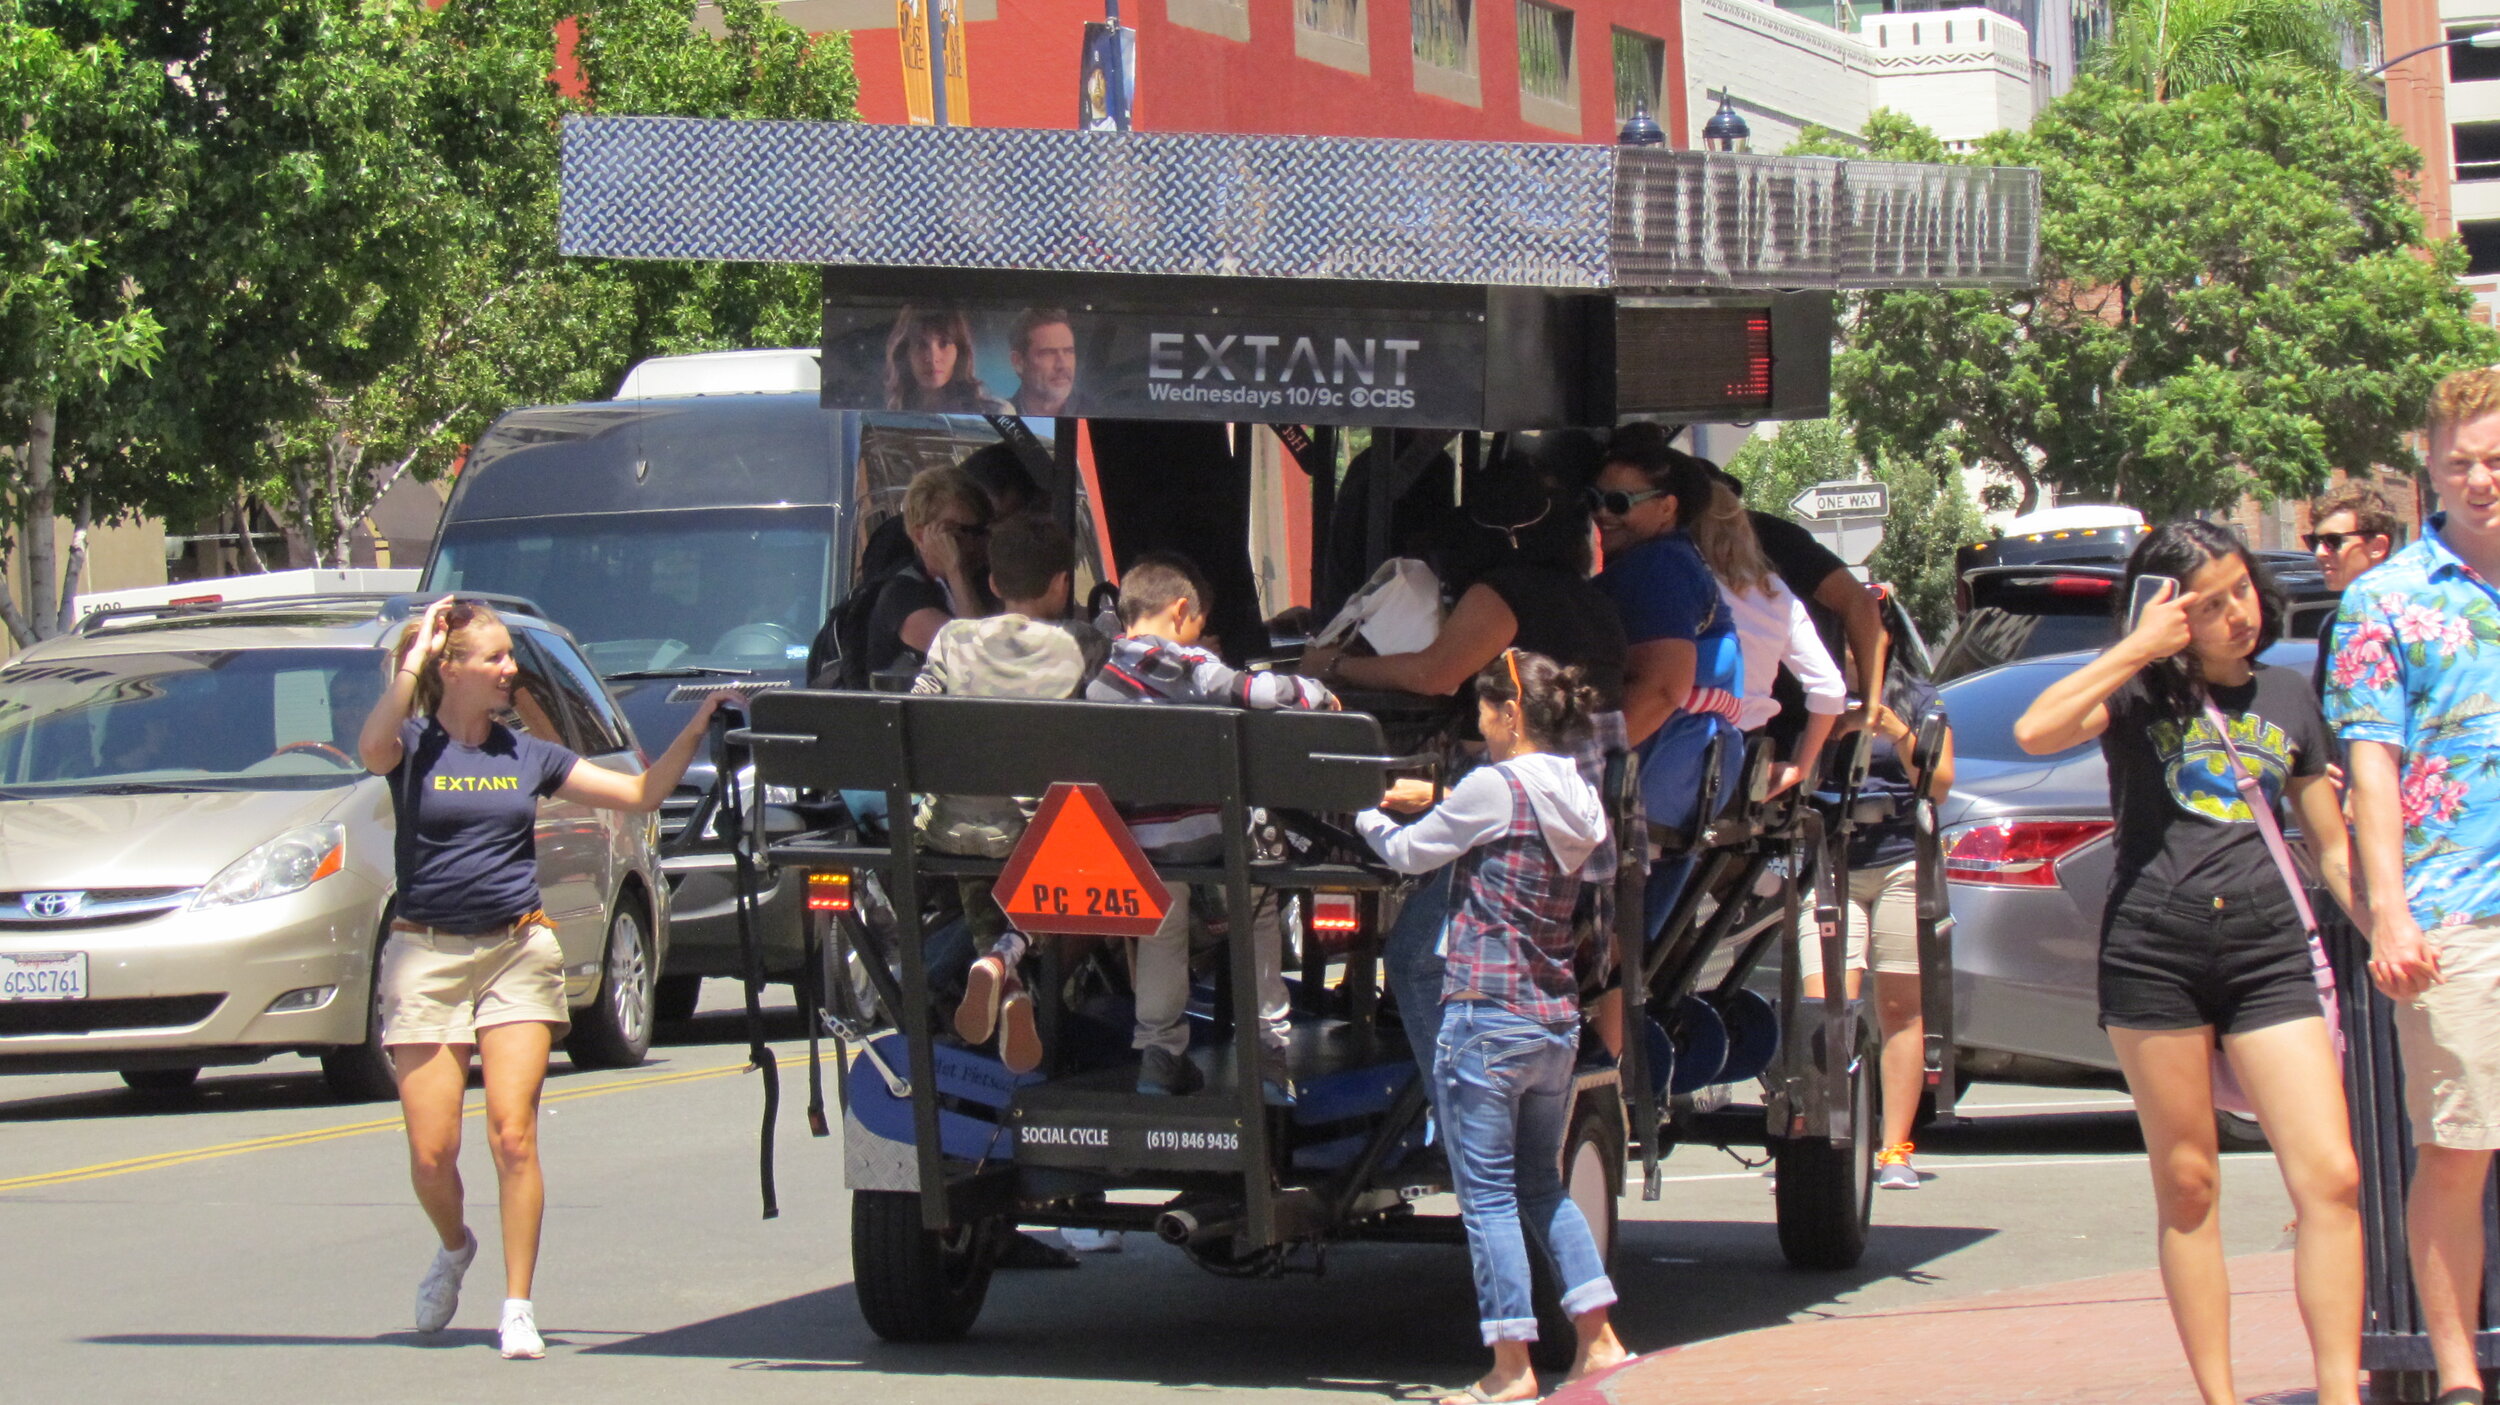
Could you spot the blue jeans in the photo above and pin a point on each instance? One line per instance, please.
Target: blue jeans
(1412, 957)
(1504, 1091)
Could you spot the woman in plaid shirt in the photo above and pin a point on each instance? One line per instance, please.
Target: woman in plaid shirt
(1520, 831)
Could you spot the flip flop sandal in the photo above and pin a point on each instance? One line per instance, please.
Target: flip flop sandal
(977, 1018)
(1476, 1393)
(1019, 1039)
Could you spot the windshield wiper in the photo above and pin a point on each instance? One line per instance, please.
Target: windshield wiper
(141, 787)
(698, 670)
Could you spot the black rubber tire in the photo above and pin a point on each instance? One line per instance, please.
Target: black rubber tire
(916, 1285)
(1825, 1194)
(2235, 1132)
(1593, 1175)
(361, 1073)
(614, 1030)
(161, 1082)
(675, 997)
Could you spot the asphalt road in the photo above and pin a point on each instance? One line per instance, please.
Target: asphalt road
(257, 1243)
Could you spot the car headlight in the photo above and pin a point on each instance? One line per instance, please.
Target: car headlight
(289, 863)
(773, 794)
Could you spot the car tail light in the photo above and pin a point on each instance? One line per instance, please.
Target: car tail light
(829, 892)
(2018, 853)
(2081, 585)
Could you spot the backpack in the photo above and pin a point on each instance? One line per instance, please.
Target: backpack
(838, 656)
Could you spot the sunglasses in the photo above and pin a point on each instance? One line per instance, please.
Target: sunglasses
(2332, 541)
(1616, 504)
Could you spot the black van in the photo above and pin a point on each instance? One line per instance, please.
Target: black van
(685, 538)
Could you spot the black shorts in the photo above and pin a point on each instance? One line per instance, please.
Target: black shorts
(2176, 961)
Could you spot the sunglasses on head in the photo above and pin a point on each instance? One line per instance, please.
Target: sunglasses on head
(2332, 541)
(1620, 504)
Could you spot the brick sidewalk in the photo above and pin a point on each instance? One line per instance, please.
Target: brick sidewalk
(2082, 1343)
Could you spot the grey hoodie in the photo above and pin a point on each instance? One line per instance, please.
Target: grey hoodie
(1568, 812)
(1000, 656)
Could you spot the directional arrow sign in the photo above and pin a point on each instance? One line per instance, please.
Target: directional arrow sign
(1825, 502)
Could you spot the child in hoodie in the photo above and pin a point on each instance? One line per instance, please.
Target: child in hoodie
(1519, 830)
(1156, 659)
(1029, 651)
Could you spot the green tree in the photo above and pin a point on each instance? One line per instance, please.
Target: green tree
(1931, 515)
(2235, 297)
(76, 159)
(2167, 48)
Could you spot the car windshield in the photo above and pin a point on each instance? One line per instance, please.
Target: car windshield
(210, 719)
(738, 589)
(1993, 635)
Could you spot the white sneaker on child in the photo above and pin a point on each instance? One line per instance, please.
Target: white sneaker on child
(438, 1294)
(521, 1341)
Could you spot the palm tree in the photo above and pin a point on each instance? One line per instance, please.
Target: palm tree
(2168, 47)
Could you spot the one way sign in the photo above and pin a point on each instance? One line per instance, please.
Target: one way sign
(1831, 502)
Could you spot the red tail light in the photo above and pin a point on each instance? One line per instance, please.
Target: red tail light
(2019, 853)
(1335, 912)
(2081, 585)
(829, 892)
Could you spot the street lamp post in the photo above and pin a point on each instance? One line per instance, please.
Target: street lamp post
(1726, 130)
(2487, 39)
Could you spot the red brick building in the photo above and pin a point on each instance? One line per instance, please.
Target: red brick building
(1487, 70)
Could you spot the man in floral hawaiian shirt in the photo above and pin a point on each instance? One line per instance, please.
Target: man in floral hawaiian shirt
(2414, 691)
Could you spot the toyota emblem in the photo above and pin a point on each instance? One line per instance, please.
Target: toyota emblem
(54, 904)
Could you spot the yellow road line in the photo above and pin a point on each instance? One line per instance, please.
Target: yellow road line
(476, 1106)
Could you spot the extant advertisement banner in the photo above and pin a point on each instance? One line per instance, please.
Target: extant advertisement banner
(1315, 367)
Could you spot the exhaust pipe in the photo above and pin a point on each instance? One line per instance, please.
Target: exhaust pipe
(1184, 1225)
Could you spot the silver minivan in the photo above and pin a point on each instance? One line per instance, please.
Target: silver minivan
(196, 871)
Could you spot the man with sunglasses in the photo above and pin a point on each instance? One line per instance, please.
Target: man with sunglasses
(2350, 530)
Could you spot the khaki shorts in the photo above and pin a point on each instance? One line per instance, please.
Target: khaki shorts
(2450, 1039)
(1883, 902)
(442, 987)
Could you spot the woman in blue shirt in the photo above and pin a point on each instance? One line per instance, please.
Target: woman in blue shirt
(471, 962)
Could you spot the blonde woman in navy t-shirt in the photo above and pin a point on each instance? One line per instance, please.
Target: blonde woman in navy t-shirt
(471, 962)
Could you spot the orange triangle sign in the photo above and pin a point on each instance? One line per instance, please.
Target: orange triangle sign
(1078, 871)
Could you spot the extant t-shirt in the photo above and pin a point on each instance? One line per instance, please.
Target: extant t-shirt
(468, 824)
(1663, 590)
(2182, 824)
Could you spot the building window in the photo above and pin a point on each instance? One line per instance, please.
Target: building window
(1445, 49)
(1445, 34)
(1545, 52)
(2477, 150)
(1338, 19)
(1228, 18)
(2482, 246)
(1640, 74)
(2467, 64)
(1333, 32)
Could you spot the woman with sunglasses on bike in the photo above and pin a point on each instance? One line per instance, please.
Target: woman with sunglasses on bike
(471, 962)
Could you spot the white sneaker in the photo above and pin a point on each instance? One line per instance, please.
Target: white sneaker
(438, 1297)
(520, 1332)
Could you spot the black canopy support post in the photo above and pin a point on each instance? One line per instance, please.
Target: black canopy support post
(1470, 460)
(1383, 490)
(1258, 1190)
(1831, 925)
(1064, 486)
(1323, 509)
(1784, 1112)
(935, 1209)
(1622, 775)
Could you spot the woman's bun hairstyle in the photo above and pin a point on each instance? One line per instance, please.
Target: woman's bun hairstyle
(1556, 702)
(463, 616)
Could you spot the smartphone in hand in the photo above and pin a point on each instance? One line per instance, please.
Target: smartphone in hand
(2147, 590)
